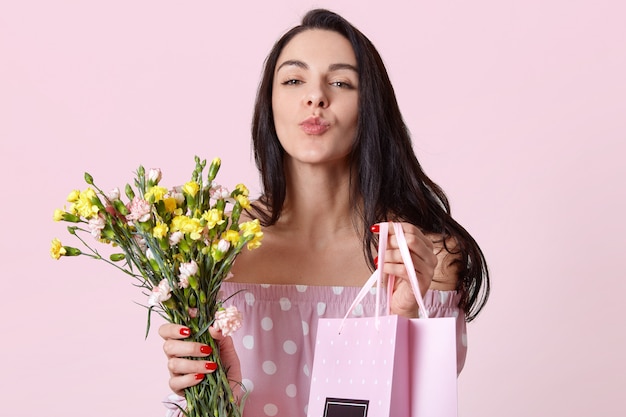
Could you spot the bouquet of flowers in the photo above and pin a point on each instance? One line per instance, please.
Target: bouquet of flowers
(179, 244)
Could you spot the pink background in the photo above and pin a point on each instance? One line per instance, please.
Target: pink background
(518, 109)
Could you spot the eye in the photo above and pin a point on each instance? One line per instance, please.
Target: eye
(292, 81)
(342, 84)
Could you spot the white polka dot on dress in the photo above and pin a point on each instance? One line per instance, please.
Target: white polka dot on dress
(321, 308)
(337, 290)
(250, 298)
(248, 385)
(267, 324)
(270, 410)
(305, 328)
(248, 342)
(290, 347)
(269, 367)
(285, 304)
(291, 391)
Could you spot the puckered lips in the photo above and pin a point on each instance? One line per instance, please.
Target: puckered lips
(314, 125)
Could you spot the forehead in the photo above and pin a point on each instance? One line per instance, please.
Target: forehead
(318, 47)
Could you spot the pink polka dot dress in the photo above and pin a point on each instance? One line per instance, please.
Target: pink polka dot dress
(276, 342)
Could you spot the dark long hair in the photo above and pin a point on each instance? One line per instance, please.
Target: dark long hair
(387, 179)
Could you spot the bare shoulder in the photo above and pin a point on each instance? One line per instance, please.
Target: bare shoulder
(446, 275)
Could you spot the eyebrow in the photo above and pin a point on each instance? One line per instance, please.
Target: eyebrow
(303, 65)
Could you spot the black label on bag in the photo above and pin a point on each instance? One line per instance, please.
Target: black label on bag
(340, 407)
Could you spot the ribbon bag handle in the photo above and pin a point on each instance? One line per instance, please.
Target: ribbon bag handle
(376, 277)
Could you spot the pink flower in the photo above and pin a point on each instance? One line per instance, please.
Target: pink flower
(96, 224)
(193, 312)
(175, 238)
(228, 320)
(185, 270)
(139, 210)
(218, 191)
(160, 293)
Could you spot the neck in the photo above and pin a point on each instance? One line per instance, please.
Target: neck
(318, 202)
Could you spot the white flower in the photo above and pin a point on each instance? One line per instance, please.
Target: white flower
(228, 320)
(154, 175)
(185, 270)
(160, 293)
(176, 237)
(218, 191)
(223, 245)
(177, 195)
(114, 194)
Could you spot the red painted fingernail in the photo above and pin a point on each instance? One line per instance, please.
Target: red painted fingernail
(185, 331)
(199, 376)
(375, 228)
(206, 349)
(376, 261)
(211, 366)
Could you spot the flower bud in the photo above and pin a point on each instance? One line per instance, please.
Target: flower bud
(116, 257)
(88, 178)
(120, 207)
(69, 217)
(193, 282)
(129, 192)
(215, 166)
(70, 251)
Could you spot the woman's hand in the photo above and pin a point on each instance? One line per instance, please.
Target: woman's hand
(185, 373)
(403, 300)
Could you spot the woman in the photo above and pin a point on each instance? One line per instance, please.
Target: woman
(335, 159)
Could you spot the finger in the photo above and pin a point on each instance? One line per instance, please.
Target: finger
(180, 366)
(412, 234)
(179, 383)
(179, 348)
(173, 331)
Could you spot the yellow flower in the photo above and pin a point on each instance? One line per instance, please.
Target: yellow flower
(58, 215)
(160, 230)
(232, 236)
(57, 250)
(213, 218)
(243, 189)
(73, 196)
(84, 206)
(252, 230)
(188, 226)
(191, 188)
(157, 192)
(170, 204)
(243, 201)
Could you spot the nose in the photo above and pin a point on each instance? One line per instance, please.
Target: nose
(316, 98)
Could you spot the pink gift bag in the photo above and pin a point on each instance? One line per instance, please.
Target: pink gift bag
(387, 366)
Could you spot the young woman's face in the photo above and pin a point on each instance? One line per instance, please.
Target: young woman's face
(315, 97)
